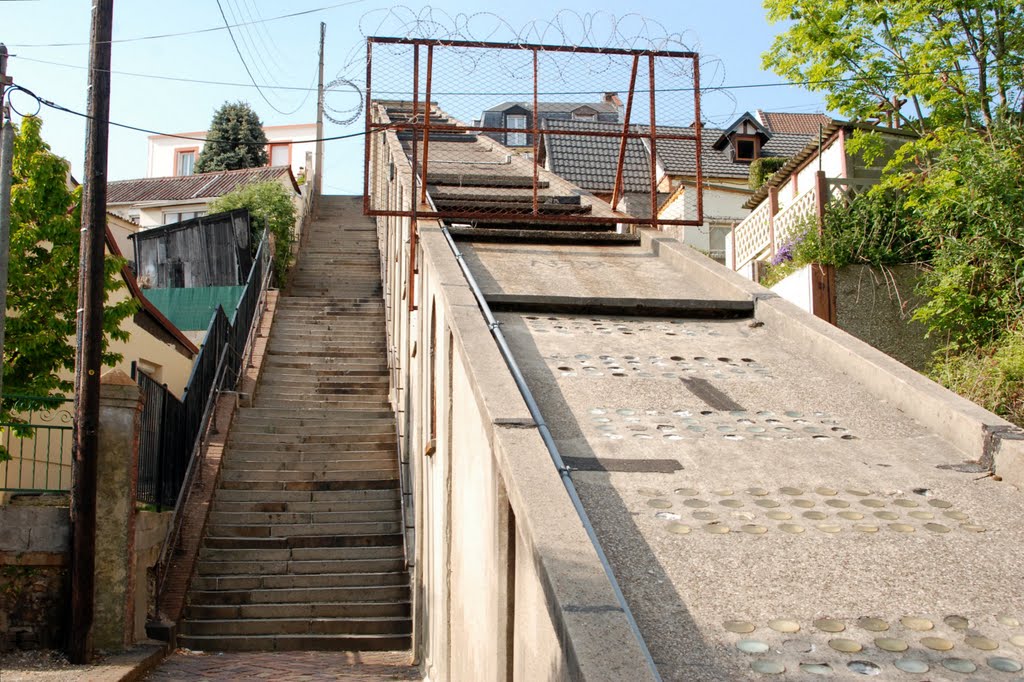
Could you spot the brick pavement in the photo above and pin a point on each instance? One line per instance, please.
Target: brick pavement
(286, 666)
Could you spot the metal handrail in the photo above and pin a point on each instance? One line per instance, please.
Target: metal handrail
(552, 447)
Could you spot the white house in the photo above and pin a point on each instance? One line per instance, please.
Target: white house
(288, 144)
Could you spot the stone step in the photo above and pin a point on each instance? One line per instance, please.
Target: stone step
(308, 507)
(297, 643)
(292, 567)
(303, 554)
(321, 401)
(310, 477)
(305, 541)
(353, 481)
(308, 496)
(300, 626)
(234, 518)
(326, 467)
(393, 609)
(232, 583)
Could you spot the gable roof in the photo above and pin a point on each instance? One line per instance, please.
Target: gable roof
(800, 124)
(198, 186)
(559, 107)
(723, 139)
(591, 162)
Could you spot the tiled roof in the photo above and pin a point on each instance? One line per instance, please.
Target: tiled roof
(801, 124)
(186, 187)
(590, 162)
(678, 158)
(558, 107)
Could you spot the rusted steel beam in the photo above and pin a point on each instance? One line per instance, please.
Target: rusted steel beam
(536, 170)
(617, 189)
(414, 200)
(530, 46)
(426, 125)
(698, 127)
(369, 128)
(654, 146)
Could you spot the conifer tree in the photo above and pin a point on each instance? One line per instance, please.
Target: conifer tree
(236, 140)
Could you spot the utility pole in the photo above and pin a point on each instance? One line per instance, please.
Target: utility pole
(90, 337)
(318, 178)
(6, 165)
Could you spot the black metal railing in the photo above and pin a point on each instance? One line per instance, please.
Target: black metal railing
(36, 443)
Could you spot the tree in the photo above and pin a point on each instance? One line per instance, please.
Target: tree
(270, 207)
(42, 295)
(925, 64)
(235, 140)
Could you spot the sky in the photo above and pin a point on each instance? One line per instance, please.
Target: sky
(48, 40)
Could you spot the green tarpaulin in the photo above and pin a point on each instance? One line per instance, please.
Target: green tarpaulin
(192, 309)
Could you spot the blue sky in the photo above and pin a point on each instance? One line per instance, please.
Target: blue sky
(283, 52)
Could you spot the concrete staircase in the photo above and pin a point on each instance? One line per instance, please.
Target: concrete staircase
(303, 548)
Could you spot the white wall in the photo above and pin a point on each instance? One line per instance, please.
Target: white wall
(833, 162)
(723, 206)
(797, 289)
(160, 159)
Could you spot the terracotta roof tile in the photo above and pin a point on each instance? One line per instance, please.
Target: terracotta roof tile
(186, 187)
(801, 124)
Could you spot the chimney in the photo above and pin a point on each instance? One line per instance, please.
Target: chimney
(613, 98)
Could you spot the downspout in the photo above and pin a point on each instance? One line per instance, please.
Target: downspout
(549, 442)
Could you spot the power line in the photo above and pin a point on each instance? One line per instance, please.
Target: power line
(198, 31)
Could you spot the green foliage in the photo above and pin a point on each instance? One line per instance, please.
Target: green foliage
(42, 291)
(235, 140)
(953, 62)
(763, 168)
(270, 207)
(992, 375)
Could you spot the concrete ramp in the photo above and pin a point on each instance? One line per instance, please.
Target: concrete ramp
(776, 499)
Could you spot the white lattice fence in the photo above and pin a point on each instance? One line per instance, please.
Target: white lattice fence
(753, 235)
(791, 219)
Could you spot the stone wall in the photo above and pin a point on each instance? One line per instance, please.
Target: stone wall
(34, 574)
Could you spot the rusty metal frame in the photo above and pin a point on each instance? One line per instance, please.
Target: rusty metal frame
(422, 127)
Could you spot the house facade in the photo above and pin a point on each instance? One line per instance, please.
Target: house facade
(519, 115)
(288, 145)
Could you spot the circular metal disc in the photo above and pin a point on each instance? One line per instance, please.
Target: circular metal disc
(829, 625)
(872, 624)
(936, 527)
(940, 504)
(798, 646)
(829, 528)
(1008, 621)
(864, 668)
(779, 515)
(902, 527)
(803, 504)
(705, 515)
(937, 643)
(757, 492)
(891, 644)
(904, 502)
(791, 528)
(767, 504)
(815, 515)
(918, 624)
(827, 492)
(851, 515)
(956, 622)
(959, 665)
(865, 528)
(873, 503)
(887, 516)
(753, 529)
(687, 492)
(696, 504)
(1017, 640)
(983, 643)
(859, 492)
(838, 503)
(667, 516)
(767, 667)
(789, 490)
(731, 503)
(752, 646)
(816, 668)
(846, 646)
(973, 528)
(716, 529)
(740, 627)
(678, 528)
(911, 665)
(1004, 665)
(723, 492)
(956, 515)
(650, 492)
(659, 503)
(922, 515)
(784, 625)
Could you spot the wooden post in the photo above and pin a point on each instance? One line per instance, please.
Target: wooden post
(773, 208)
(820, 198)
(732, 239)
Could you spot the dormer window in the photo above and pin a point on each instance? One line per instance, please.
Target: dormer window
(746, 147)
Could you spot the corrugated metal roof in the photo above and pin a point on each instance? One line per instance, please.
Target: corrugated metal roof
(186, 187)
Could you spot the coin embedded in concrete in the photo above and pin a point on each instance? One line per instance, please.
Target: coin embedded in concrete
(789, 490)
(1004, 665)
(936, 527)
(959, 665)
(802, 503)
(937, 643)
(983, 643)
(753, 529)
(687, 492)
(940, 504)
(1008, 621)
(859, 492)
(659, 503)
(911, 665)
(873, 503)
(902, 527)
(752, 646)
(791, 528)
(779, 515)
(838, 503)
(797, 646)
(829, 528)
(904, 502)
(723, 492)
(865, 528)
(846, 646)
(757, 492)
(973, 528)
(851, 515)
(731, 503)
(922, 515)
(919, 624)
(678, 528)
(829, 625)
(827, 492)
(864, 668)
(1017, 640)
(767, 667)
(650, 492)
(696, 504)
(705, 515)
(667, 516)
(956, 515)
(887, 516)
(872, 624)
(716, 528)
(767, 504)
(815, 515)
(741, 627)
(816, 668)
(956, 622)
(891, 644)
(784, 625)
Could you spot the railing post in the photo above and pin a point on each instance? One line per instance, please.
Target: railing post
(732, 239)
(773, 208)
(820, 198)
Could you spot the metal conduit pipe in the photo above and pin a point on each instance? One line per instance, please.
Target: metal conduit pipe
(549, 441)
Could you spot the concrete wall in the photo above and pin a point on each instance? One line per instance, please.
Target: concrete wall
(150, 531)
(506, 583)
(723, 207)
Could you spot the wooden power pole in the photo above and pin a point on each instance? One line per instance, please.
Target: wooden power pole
(318, 178)
(90, 337)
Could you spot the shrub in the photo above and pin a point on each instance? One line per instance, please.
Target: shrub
(270, 207)
(763, 168)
